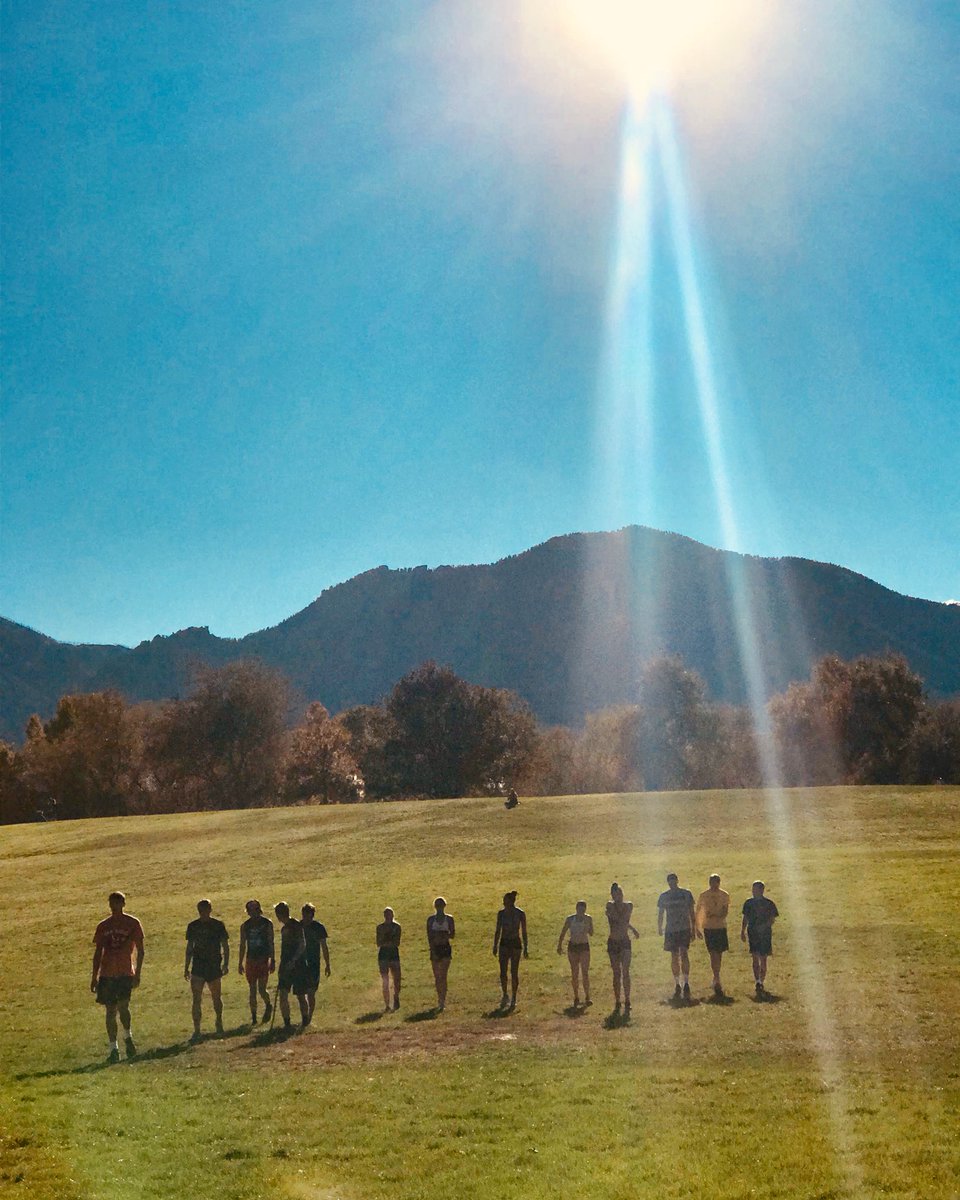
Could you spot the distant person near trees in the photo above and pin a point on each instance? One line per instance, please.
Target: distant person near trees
(441, 930)
(512, 799)
(307, 973)
(509, 942)
(256, 958)
(388, 958)
(619, 912)
(206, 961)
(711, 915)
(759, 914)
(675, 921)
(579, 925)
(292, 948)
(116, 940)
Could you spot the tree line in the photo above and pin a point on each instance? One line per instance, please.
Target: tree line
(229, 742)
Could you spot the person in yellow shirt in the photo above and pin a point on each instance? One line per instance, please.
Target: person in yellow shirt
(711, 916)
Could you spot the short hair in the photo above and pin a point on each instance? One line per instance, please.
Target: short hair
(204, 903)
(282, 906)
(117, 897)
(673, 875)
(580, 904)
(760, 884)
(253, 904)
(308, 907)
(714, 876)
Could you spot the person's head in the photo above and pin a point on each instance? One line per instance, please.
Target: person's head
(253, 908)
(388, 915)
(759, 887)
(282, 910)
(714, 882)
(616, 891)
(117, 902)
(672, 881)
(204, 908)
(581, 907)
(509, 899)
(308, 912)
(439, 904)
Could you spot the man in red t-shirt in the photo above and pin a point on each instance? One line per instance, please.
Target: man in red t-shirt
(114, 976)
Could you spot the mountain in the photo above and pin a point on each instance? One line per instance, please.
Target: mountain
(565, 624)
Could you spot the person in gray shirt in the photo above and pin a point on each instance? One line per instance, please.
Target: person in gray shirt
(677, 924)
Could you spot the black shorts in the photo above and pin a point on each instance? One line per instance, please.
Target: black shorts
(387, 955)
(578, 948)
(114, 989)
(620, 949)
(760, 941)
(207, 971)
(440, 952)
(679, 939)
(305, 977)
(716, 940)
(510, 948)
(286, 973)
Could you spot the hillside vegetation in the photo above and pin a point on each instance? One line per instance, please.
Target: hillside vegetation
(845, 1084)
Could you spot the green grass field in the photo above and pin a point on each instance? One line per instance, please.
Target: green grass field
(847, 1084)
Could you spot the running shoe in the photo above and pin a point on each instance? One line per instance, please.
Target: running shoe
(686, 991)
(267, 1013)
(677, 992)
(129, 1046)
(113, 1056)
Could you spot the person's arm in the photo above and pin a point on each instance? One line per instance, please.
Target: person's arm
(141, 954)
(566, 926)
(499, 929)
(691, 916)
(743, 925)
(380, 936)
(241, 953)
(326, 956)
(270, 942)
(97, 955)
(225, 943)
(453, 929)
(698, 917)
(523, 932)
(187, 958)
(659, 918)
(589, 926)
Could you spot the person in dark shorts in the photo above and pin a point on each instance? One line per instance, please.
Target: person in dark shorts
(206, 961)
(388, 959)
(306, 976)
(675, 921)
(116, 941)
(759, 914)
(711, 914)
(509, 942)
(256, 958)
(619, 950)
(579, 925)
(441, 930)
(293, 946)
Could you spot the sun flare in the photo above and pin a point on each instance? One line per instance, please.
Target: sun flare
(649, 42)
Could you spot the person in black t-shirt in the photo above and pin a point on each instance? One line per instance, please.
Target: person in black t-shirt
(306, 977)
(206, 961)
(759, 914)
(292, 948)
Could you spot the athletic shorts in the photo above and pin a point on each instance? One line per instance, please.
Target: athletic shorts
(578, 949)
(257, 970)
(760, 941)
(305, 977)
(678, 940)
(438, 953)
(207, 971)
(716, 940)
(387, 955)
(620, 949)
(285, 976)
(114, 989)
(510, 948)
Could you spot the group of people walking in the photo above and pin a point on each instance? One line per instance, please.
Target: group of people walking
(681, 919)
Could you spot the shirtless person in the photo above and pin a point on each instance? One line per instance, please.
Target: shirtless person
(206, 961)
(293, 946)
(256, 946)
(711, 916)
(619, 912)
(388, 958)
(114, 974)
(509, 941)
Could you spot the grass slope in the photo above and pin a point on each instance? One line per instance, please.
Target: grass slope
(847, 1085)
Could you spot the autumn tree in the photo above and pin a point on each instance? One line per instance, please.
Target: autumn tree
(319, 766)
(670, 723)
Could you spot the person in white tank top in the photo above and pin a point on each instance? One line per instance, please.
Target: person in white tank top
(441, 930)
(580, 928)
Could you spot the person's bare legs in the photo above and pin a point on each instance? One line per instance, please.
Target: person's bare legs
(283, 999)
(617, 968)
(311, 1004)
(196, 987)
(215, 996)
(625, 969)
(440, 968)
(110, 1013)
(504, 961)
(395, 976)
(304, 1008)
(760, 968)
(514, 976)
(675, 967)
(385, 985)
(716, 959)
(574, 960)
(585, 976)
(253, 999)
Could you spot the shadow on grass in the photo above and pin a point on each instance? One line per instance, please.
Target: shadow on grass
(723, 1001)
(681, 1002)
(574, 1012)
(269, 1037)
(498, 1013)
(618, 1019)
(766, 998)
(368, 1018)
(156, 1054)
(428, 1014)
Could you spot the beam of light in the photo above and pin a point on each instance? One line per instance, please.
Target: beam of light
(823, 1035)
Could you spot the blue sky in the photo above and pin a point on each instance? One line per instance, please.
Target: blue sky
(294, 290)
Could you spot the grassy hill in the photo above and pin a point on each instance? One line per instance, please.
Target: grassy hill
(846, 1084)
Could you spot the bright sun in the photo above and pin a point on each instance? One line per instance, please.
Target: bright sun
(650, 41)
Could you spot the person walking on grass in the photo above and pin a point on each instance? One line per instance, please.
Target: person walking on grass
(116, 941)
(619, 912)
(307, 974)
(675, 921)
(759, 914)
(256, 960)
(580, 928)
(711, 917)
(509, 941)
(441, 930)
(388, 959)
(206, 961)
(292, 948)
